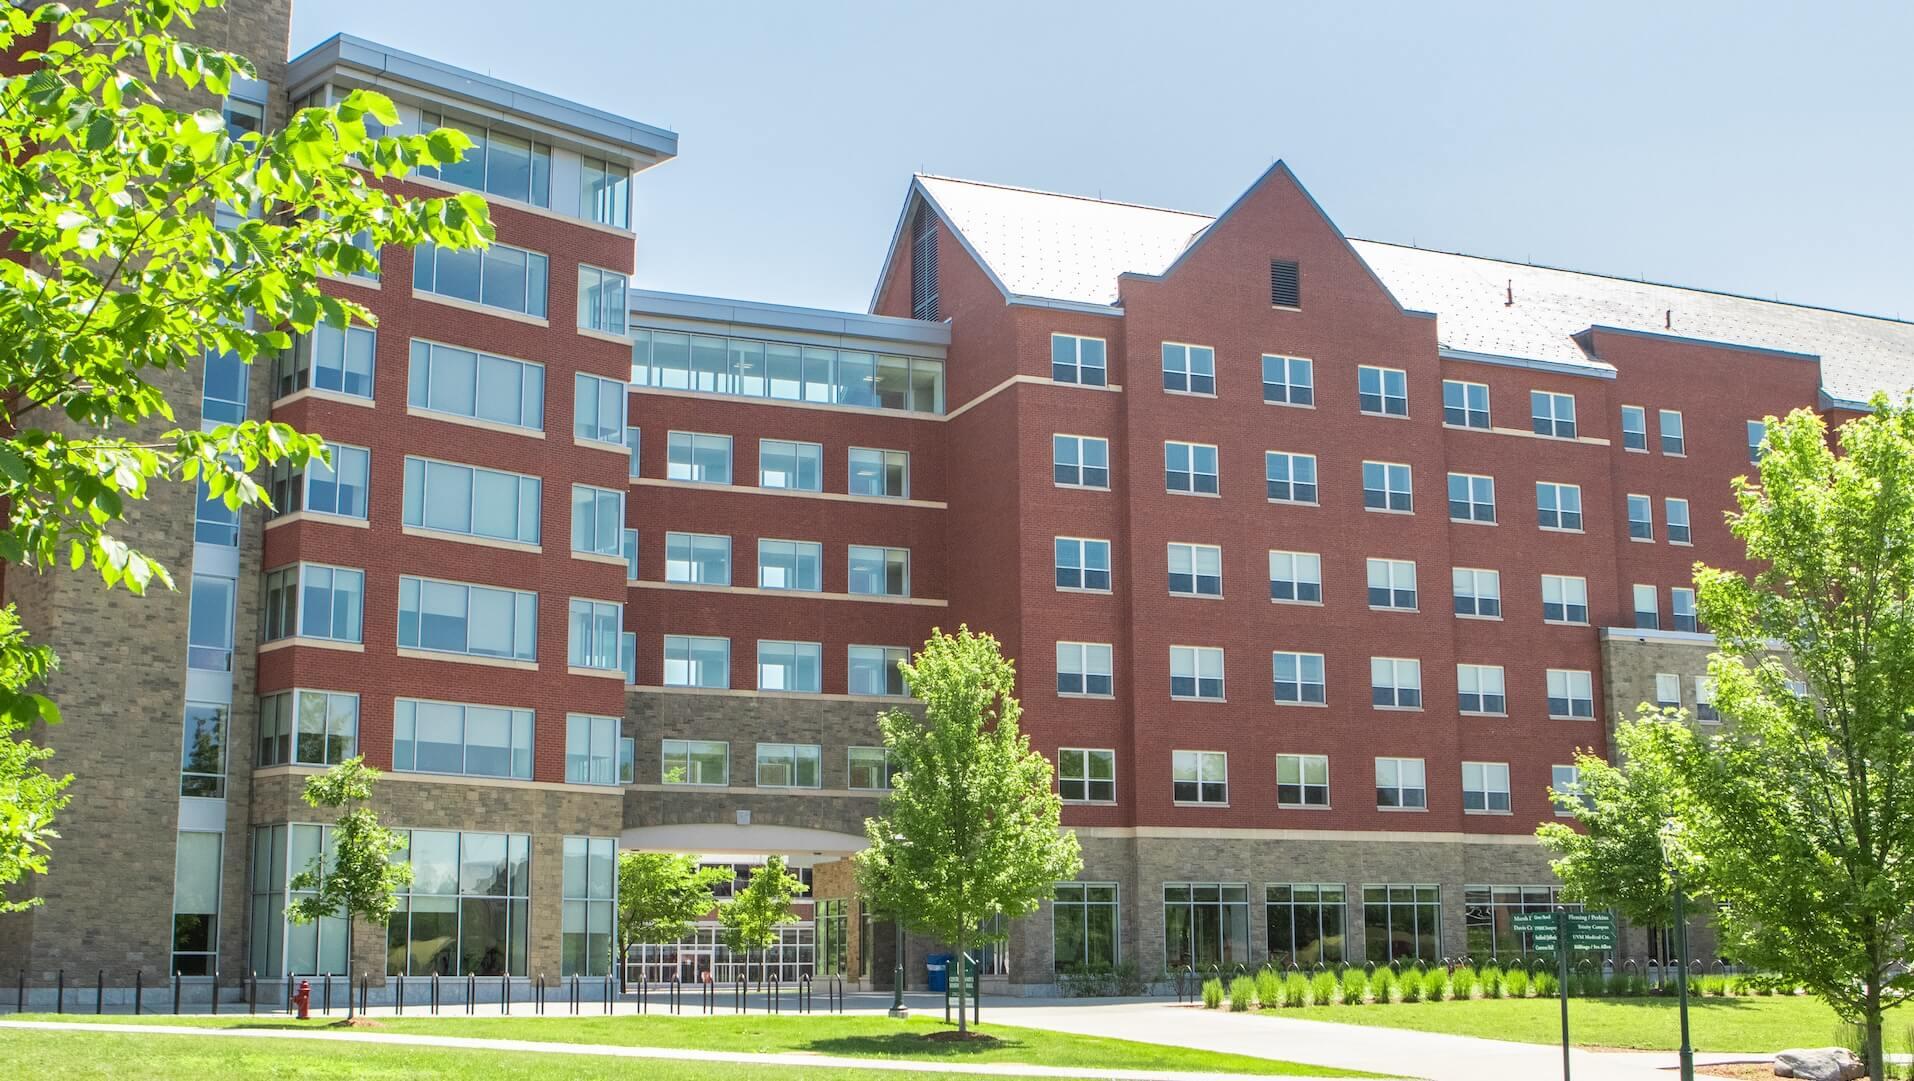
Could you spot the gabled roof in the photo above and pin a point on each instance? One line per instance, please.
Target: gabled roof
(1070, 250)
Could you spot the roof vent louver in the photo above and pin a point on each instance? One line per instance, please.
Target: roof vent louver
(1285, 284)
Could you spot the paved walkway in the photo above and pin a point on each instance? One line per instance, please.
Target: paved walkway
(1396, 1052)
(739, 1058)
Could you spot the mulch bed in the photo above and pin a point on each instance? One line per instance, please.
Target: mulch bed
(952, 1036)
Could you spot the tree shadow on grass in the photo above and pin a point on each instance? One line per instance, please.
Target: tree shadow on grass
(1670, 1002)
(908, 1045)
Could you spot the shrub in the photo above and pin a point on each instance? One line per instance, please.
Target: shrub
(1242, 994)
(1268, 988)
(1382, 985)
(1616, 983)
(1410, 985)
(1435, 985)
(1353, 984)
(1296, 990)
(1492, 986)
(1545, 985)
(1129, 980)
(1462, 983)
(1212, 994)
(1516, 982)
(1322, 988)
(1637, 983)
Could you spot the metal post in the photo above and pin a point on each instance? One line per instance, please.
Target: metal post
(398, 999)
(20, 993)
(1561, 961)
(252, 995)
(898, 1009)
(59, 994)
(99, 994)
(139, 989)
(1681, 978)
(215, 987)
(176, 990)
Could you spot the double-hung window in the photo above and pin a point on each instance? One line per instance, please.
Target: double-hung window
(1086, 776)
(1485, 787)
(796, 667)
(884, 473)
(598, 409)
(1189, 369)
(601, 300)
(1196, 570)
(695, 761)
(1641, 518)
(1552, 414)
(1471, 498)
(692, 661)
(1401, 784)
(790, 765)
(1395, 682)
(1705, 710)
(1080, 461)
(787, 564)
(594, 628)
(1558, 506)
(1647, 607)
(598, 521)
(1465, 405)
(1757, 435)
(1382, 391)
(1084, 668)
(591, 749)
(1200, 776)
(1634, 428)
(1478, 593)
(1083, 564)
(1566, 781)
(1291, 477)
(797, 467)
(698, 457)
(1288, 380)
(874, 671)
(879, 572)
(310, 600)
(1674, 439)
(223, 390)
(1196, 672)
(328, 358)
(1298, 678)
(202, 759)
(1189, 467)
(1667, 690)
(339, 489)
(1386, 487)
(1302, 780)
(1681, 603)
(499, 276)
(1676, 513)
(451, 737)
(1392, 584)
(451, 498)
(1571, 694)
(1078, 360)
(456, 617)
(209, 630)
(700, 559)
(1295, 577)
(477, 386)
(1564, 599)
(1479, 689)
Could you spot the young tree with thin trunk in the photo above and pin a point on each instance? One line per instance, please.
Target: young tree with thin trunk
(752, 918)
(354, 876)
(661, 896)
(970, 830)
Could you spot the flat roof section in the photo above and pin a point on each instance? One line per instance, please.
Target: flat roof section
(754, 319)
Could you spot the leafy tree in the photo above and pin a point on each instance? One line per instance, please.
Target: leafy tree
(1798, 819)
(752, 918)
(1616, 859)
(144, 236)
(355, 876)
(660, 896)
(969, 831)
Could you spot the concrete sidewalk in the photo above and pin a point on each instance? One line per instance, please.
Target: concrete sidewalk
(739, 1058)
(1395, 1052)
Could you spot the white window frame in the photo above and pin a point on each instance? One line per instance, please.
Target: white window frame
(1290, 386)
(1085, 656)
(1553, 410)
(1296, 562)
(600, 537)
(1087, 781)
(1478, 510)
(683, 748)
(1390, 575)
(1571, 592)
(1302, 782)
(799, 549)
(595, 651)
(797, 450)
(608, 287)
(1384, 398)
(885, 555)
(1641, 527)
(1195, 557)
(1302, 662)
(774, 652)
(1638, 593)
(517, 722)
(1477, 576)
(793, 757)
(690, 471)
(1681, 607)
(488, 370)
(1678, 528)
(595, 740)
(1204, 767)
(520, 598)
(1667, 690)
(1402, 682)
(1680, 437)
(1400, 785)
(1389, 491)
(600, 425)
(885, 460)
(1195, 659)
(1569, 681)
(415, 500)
(686, 565)
(1181, 359)
(1467, 407)
(887, 658)
(1486, 776)
(1075, 364)
(1082, 547)
(1080, 468)
(1557, 492)
(682, 643)
(1639, 430)
(1195, 474)
(1290, 461)
(1484, 682)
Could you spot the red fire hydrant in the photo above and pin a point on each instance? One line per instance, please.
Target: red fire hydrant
(303, 998)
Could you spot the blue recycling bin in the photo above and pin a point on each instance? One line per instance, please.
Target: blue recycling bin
(937, 971)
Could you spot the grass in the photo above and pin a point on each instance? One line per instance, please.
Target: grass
(1649, 1024)
(848, 1036)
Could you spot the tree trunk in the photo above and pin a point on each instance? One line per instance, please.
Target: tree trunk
(1871, 1017)
(963, 970)
(350, 1001)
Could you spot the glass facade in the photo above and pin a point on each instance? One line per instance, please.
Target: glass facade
(783, 371)
(589, 885)
(1084, 919)
(1308, 923)
(1402, 922)
(1204, 924)
(466, 910)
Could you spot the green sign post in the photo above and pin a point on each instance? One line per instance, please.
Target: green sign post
(1563, 932)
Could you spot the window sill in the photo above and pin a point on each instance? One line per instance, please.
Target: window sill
(788, 787)
(1485, 619)
(1084, 589)
(598, 444)
(1290, 405)
(1196, 698)
(1197, 596)
(1641, 540)
(318, 516)
(1302, 604)
(604, 336)
(1402, 810)
(1303, 705)
(1185, 803)
(597, 673)
(473, 422)
(1080, 487)
(1478, 713)
(1635, 450)
(1681, 544)
(1566, 623)
(303, 642)
(480, 309)
(1091, 697)
(1559, 529)
(1396, 709)
(1388, 510)
(1303, 807)
(1673, 454)
(1190, 393)
(1089, 802)
(1570, 717)
(1471, 521)
(467, 658)
(1381, 416)
(1393, 608)
(1468, 427)
(1294, 502)
(1487, 812)
(601, 557)
(463, 538)
(319, 395)
(1197, 495)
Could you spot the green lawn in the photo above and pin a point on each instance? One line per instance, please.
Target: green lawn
(1716, 1024)
(852, 1036)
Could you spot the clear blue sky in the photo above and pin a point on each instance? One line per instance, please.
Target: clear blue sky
(1712, 144)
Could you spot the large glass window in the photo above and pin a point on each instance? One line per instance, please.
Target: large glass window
(453, 617)
(1205, 924)
(1673, 438)
(335, 359)
(451, 737)
(601, 300)
(1634, 428)
(472, 501)
(465, 912)
(785, 372)
(1080, 461)
(1084, 918)
(591, 749)
(1189, 468)
(1677, 515)
(1392, 584)
(280, 947)
(794, 565)
(870, 768)
(790, 666)
(202, 758)
(604, 192)
(874, 671)
(1308, 922)
(1402, 923)
(338, 489)
(696, 761)
(309, 600)
(213, 521)
(498, 162)
(697, 662)
(1290, 478)
(1289, 380)
(209, 624)
(1083, 668)
(465, 383)
(699, 558)
(1571, 694)
(196, 903)
(797, 467)
(700, 458)
(593, 629)
(223, 388)
(1078, 360)
(1479, 689)
(1681, 602)
(1200, 776)
(598, 409)
(1086, 776)
(883, 473)
(1189, 369)
(1488, 915)
(308, 728)
(790, 765)
(1395, 682)
(598, 521)
(879, 572)
(501, 276)
(589, 884)
(1641, 518)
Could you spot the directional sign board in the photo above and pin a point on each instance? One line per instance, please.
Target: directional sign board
(1586, 930)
